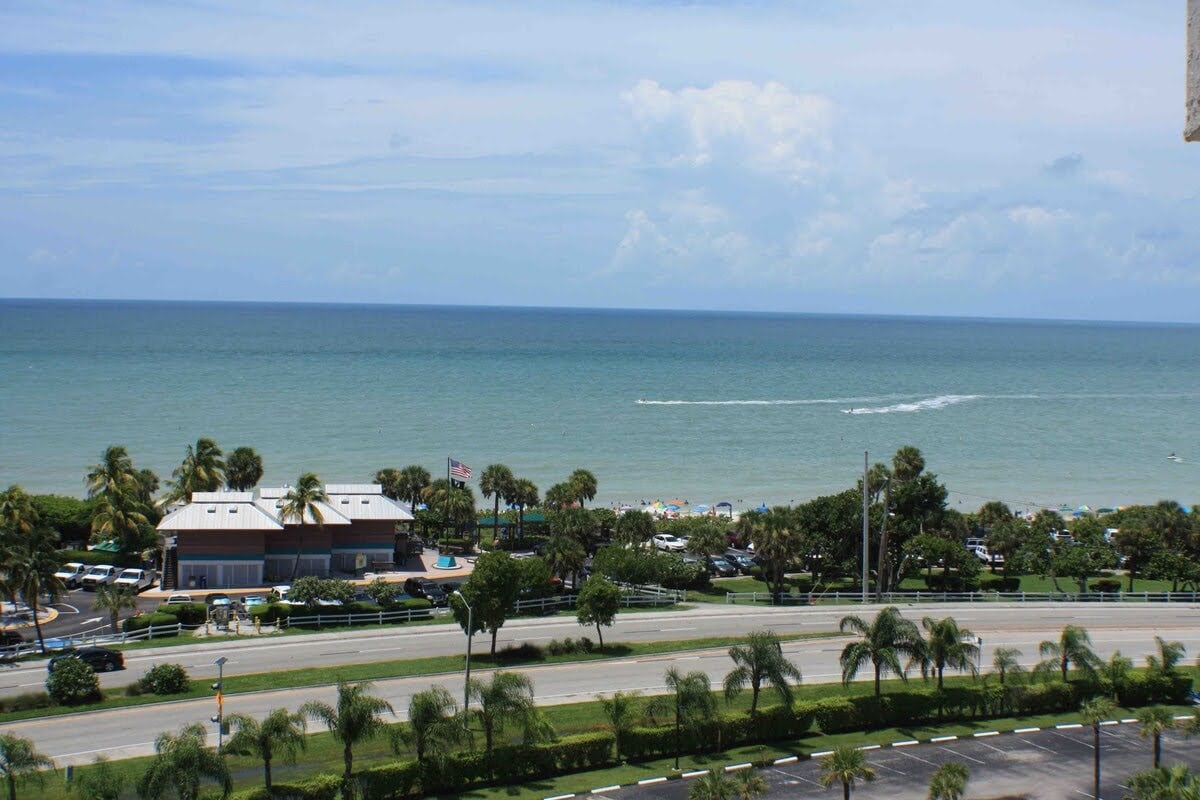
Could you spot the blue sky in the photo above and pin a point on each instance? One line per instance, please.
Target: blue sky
(1012, 159)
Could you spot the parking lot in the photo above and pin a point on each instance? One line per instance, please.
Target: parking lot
(1041, 764)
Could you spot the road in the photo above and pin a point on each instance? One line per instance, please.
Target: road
(127, 732)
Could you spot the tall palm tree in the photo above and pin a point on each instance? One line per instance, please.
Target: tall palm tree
(507, 698)
(303, 502)
(623, 711)
(712, 785)
(433, 722)
(524, 495)
(114, 474)
(1167, 658)
(243, 469)
(760, 661)
(949, 781)
(389, 479)
(1095, 711)
(1005, 660)
(583, 485)
(202, 470)
(564, 556)
(748, 784)
(32, 562)
(456, 502)
(884, 641)
(559, 496)
(950, 646)
(114, 600)
(357, 718)
(1155, 721)
(411, 485)
(280, 732)
(1118, 670)
(496, 484)
(1073, 647)
(18, 516)
(776, 540)
(690, 700)
(845, 765)
(181, 762)
(19, 760)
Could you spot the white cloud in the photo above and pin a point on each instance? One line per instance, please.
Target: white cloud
(1037, 217)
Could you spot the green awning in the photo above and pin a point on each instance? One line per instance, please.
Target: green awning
(488, 522)
(108, 547)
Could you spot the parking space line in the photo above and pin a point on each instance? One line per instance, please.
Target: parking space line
(990, 747)
(790, 776)
(907, 754)
(1071, 739)
(962, 755)
(889, 769)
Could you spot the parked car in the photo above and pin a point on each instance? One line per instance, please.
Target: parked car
(423, 587)
(743, 562)
(99, 575)
(138, 580)
(450, 587)
(668, 542)
(720, 567)
(71, 574)
(11, 638)
(179, 598)
(254, 600)
(215, 599)
(100, 659)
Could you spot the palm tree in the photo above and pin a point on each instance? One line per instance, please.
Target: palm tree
(19, 760)
(845, 765)
(946, 647)
(712, 785)
(1176, 783)
(623, 711)
(100, 781)
(411, 485)
(559, 496)
(883, 642)
(18, 516)
(357, 718)
(508, 697)
(303, 501)
(1169, 655)
(949, 781)
(691, 701)
(433, 722)
(496, 483)
(1095, 711)
(1073, 647)
(583, 485)
(1005, 662)
(243, 469)
(776, 541)
(114, 600)
(1117, 670)
(280, 732)
(760, 660)
(32, 562)
(121, 518)
(524, 495)
(181, 762)
(202, 470)
(1155, 721)
(749, 785)
(564, 555)
(115, 474)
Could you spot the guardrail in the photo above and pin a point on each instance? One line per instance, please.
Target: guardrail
(94, 639)
(968, 597)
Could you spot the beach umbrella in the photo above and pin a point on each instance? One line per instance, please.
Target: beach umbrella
(677, 503)
(626, 508)
(672, 506)
(700, 509)
(762, 509)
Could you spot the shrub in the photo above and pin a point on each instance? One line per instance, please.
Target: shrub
(133, 690)
(72, 682)
(526, 651)
(186, 613)
(96, 557)
(1106, 585)
(318, 787)
(134, 624)
(389, 781)
(270, 613)
(584, 645)
(165, 679)
(362, 607)
(26, 701)
(999, 583)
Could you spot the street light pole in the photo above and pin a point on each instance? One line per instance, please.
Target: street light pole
(866, 551)
(470, 631)
(218, 687)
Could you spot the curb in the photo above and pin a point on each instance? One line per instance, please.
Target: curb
(792, 759)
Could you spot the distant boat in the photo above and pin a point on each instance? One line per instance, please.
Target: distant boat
(1174, 458)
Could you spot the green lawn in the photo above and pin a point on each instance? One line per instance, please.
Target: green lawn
(438, 665)
(324, 754)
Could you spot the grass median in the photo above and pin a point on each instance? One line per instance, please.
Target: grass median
(437, 665)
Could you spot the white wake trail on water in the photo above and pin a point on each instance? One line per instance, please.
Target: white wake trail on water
(928, 404)
(811, 402)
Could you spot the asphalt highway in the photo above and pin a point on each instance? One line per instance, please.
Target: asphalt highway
(127, 732)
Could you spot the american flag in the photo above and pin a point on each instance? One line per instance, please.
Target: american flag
(460, 470)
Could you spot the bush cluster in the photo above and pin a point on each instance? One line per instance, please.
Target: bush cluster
(165, 679)
(72, 682)
(568, 645)
(27, 701)
(318, 787)
(157, 619)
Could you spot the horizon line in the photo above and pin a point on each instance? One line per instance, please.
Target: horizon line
(643, 309)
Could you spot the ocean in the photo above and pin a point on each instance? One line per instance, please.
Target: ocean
(701, 406)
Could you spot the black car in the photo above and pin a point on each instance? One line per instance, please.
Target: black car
(719, 566)
(742, 561)
(100, 659)
(423, 587)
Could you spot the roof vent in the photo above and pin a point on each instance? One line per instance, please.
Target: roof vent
(345, 501)
(366, 502)
(233, 509)
(211, 509)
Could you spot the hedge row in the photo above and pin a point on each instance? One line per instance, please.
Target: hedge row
(97, 557)
(515, 764)
(319, 787)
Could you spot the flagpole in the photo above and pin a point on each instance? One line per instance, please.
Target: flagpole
(449, 487)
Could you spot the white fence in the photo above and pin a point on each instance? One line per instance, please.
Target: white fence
(967, 597)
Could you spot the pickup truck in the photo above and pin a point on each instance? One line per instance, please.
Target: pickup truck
(137, 580)
(71, 574)
(99, 575)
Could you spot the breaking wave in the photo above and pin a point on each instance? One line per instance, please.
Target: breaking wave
(928, 404)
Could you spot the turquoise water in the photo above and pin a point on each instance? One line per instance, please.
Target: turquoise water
(702, 406)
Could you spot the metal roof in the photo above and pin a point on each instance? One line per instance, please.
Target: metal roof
(329, 514)
(219, 516)
(223, 497)
(353, 488)
(369, 507)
